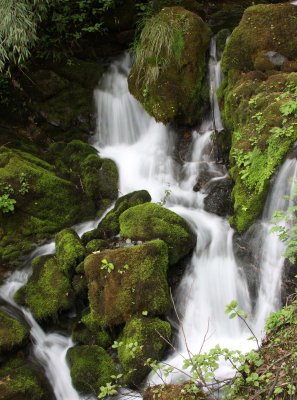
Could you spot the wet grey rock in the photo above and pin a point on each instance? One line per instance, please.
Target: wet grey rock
(218, 200)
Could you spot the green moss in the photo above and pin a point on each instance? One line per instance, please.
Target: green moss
(18, 382)
(48, 290)
(96, 245)
(261, 28)
(254, 108)
(88, 331)
(110, 225)
(69, 250)
(151, 221)
(147, 337)
(170, 65)
(12, 332)
(142, 286)
(90, 368)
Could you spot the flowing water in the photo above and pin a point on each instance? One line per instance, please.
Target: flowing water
(145, 153)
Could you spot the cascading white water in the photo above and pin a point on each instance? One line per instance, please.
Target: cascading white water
(144, 153)
(215, 81)
(271, 257)
(145, 161)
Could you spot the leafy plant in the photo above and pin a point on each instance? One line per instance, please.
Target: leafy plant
(108, 266)
(6, 204)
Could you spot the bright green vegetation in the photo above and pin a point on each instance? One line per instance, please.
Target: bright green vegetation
(142, 338)
(151, 221)
(48, 290)
(260, 105)
(118, 295)
(263, 115)
(69, 250)
(19, 382)
(90, 368)
(169, 69)
(12, 332)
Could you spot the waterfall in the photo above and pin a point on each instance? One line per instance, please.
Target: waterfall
(271, 257)
(144, 152)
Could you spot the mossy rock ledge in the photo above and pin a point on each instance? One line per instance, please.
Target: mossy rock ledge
(50, 196)
(168, 75)
(152, 221)
(259, 93)
(136, 283)
(90, 368)
(69, 250)
(150, 335)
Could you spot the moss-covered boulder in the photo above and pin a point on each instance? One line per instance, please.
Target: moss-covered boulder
(19, 382)
(142, 338)
(12, 332)
(262, 30)
(90, 368)
(80, 163)
(261, 112)
(110, 226)
(69, 250)
(152, 221)
(48, 290)
(168, 75)
(128, 281)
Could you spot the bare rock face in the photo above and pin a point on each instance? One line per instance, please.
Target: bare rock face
(168, 75)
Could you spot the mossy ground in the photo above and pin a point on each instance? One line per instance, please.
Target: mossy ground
(90, 368)
(152, 221)
(137, 283)
(173, 392)
(149, 337)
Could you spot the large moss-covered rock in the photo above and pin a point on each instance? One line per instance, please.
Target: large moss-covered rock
(110, 226)
(168, 75)
(48, 290)
(19, 382)
(79, 162)
(142, 338)
(152, 221)
(261, 112)
(259, 103)
(69, 250)
(12, 332)
(132, 280)
(260, 31)
(90, 368)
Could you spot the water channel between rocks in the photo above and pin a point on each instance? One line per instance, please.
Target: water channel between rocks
(144, 152)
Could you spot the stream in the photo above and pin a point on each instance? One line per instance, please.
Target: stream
(145, 153)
